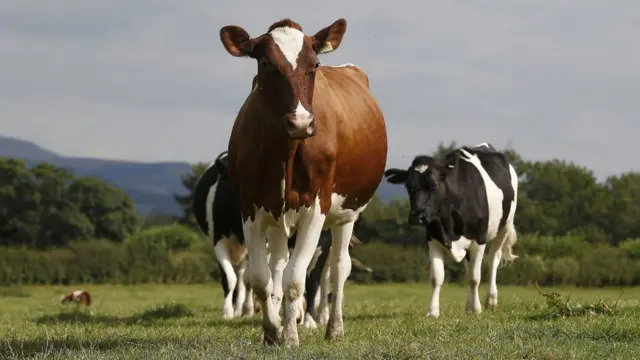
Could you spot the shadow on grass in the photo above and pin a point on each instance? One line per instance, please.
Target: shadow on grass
(370, 316)
(31, 348)
(147, 317)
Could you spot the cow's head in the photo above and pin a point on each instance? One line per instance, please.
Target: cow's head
(287, 63)
(424, 181)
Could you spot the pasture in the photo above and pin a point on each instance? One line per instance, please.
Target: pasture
(381, 322)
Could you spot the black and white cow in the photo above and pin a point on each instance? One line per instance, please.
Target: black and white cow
(215, 202)
(464, 202)
(317, 309)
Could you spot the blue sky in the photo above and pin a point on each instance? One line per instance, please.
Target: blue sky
(149, 79)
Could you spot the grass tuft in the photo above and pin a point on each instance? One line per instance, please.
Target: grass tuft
(559, 306)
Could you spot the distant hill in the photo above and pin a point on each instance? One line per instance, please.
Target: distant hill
(150, 185)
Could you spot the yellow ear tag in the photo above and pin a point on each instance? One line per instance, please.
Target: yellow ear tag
(326, 48)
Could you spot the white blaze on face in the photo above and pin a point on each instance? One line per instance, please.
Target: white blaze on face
(290, 42)
(301, 112)
(421, 168)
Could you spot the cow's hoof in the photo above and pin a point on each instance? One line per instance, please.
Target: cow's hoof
(433, 314)
(309, 323)
(491, 303)
(227, 315)
(335, 331)
(323, 318)
(271, 336)
(334, 334)
(290, 337)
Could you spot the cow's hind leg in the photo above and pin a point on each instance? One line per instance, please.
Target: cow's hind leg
(295, 272)
(474, 272)
(339, 272)
(322, 310)
(229, 278)
(436, 260)
(260, 278)
(248, 308)
(241, 288)
(495, 256)
(311, 287)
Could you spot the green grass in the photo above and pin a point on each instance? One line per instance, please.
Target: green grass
(381, 322)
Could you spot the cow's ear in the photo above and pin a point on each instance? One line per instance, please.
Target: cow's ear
(221, 165)
(221, 162)
(396, 176)
(443, 170)
(329, 38)
(237, 41)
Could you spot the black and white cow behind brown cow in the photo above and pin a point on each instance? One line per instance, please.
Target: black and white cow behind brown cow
(464, 202)
(215, 207)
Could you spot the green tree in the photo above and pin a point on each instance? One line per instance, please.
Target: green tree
(189, 181)
(18, 203)
(109, 208)
(555, 197)
(623, 217)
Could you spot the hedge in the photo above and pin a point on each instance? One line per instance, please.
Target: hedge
(176, 254)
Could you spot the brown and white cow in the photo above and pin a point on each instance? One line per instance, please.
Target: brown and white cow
(307, 151)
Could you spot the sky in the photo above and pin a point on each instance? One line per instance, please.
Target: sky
(149, 80)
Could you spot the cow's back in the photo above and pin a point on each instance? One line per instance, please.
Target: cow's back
(469, 181)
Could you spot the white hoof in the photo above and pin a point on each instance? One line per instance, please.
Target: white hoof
(323, 318)
(308, 322)
(433, 314)
(227, 313)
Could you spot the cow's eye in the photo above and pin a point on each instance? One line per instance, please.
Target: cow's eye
(265, 64)
(312, 71)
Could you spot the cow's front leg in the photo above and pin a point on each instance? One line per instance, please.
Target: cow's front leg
(260, 278)
(474, 272)
(339, 272)
(295, 272)
(436, 259)
(278, 257)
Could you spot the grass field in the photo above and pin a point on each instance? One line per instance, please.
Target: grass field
(381, 322)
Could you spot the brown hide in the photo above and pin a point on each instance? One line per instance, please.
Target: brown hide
(347, 155)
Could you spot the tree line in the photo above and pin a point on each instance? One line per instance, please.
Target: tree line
(573, 229)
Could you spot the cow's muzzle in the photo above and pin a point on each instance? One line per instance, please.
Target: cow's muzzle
(418, 218)
(300, 126)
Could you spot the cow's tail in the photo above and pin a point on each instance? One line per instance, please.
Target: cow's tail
(511, 237)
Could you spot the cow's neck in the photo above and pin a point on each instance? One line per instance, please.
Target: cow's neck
(298, 190)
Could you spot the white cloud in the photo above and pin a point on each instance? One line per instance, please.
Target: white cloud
(149, 80)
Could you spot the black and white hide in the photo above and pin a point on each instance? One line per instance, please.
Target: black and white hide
(465, 201)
